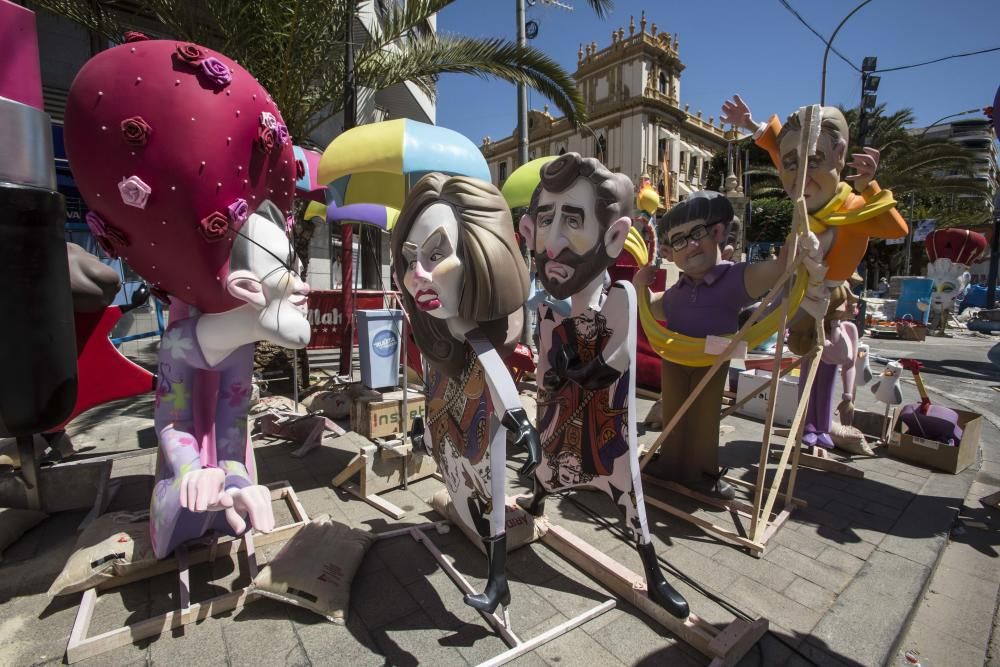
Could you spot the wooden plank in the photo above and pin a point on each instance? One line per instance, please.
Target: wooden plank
(796, 502)
(549, 635)
(707, 526)
(830, 465)
(736, 640)
(157, 626)
(81, 624)
(493, 619)
(352, 469)
(744, 509)
(183, 577)
(629, 586)
(375, 500)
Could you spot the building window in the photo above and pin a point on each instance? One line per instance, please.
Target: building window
(663, 83)
(502, 172)
(602, 149)
(661, 149)
(562, 149)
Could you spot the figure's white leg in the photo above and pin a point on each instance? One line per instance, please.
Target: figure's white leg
(498, 474)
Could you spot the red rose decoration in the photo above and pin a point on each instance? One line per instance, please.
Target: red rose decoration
(133, 36)
(266, 138)
(190, 53)
(136, 131)
(300, 170)
(214, 226)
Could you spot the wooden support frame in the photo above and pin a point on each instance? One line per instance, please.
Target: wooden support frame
(379, 469)
(724, 647)
(82, 646)
(501, 624)
(765, 519)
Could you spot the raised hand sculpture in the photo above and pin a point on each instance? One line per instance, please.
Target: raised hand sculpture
(188, 171)
(454, 253)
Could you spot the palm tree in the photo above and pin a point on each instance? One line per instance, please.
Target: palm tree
(913, 163)
(295, 48)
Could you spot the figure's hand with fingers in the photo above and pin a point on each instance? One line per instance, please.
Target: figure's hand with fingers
(737, 113)
(864, 165)
(253, 503)
(202, 490)
(643, 278)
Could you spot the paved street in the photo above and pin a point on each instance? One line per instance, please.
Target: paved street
(904, 559)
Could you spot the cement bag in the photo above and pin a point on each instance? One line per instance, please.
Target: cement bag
(521, 527)
(14, 523)
(113, 545)
(315, 568)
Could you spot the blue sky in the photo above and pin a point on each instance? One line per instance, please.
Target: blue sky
(753, 47)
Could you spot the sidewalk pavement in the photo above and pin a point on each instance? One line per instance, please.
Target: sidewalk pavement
(845, 581)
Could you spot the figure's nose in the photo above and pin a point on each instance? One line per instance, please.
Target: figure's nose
(555, 244)
(421, 274)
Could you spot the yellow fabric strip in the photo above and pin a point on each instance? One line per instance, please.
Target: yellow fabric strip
(831, 215)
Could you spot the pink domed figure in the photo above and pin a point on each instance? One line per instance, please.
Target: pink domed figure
(188, 171)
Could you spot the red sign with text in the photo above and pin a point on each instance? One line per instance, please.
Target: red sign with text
(326, 314)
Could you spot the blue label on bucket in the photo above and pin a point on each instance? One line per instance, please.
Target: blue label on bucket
(385, 343)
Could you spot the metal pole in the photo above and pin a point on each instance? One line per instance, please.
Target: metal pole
(522, 94)
(829, 43)
(346, 229)
(909, 240)
(991, 280)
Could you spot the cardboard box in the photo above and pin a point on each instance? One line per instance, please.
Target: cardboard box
(380, 417)
(938, 455)
(757, 382)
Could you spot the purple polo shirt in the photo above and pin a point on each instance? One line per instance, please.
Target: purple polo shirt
(710, 307)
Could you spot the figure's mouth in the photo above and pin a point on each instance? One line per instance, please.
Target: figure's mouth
(557, 271)
(427, 299)
(300, 301)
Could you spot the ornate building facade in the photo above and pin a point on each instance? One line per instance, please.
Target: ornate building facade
(637, 126)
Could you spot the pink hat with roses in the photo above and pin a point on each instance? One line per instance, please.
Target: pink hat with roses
(172, 145)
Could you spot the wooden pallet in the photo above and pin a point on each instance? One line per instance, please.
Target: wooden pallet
(82, 646)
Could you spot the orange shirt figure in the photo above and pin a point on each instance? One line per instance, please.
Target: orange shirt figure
(851, 239)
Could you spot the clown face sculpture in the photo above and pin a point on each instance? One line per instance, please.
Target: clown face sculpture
(950, 281)
(264, 273)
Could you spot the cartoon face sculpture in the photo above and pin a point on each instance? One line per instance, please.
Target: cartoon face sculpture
(823, 169)
(950, 281)
(580, 224)
(434, 272)
(172, 146)
(264, 272)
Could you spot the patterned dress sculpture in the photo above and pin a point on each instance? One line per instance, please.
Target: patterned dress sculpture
(464, 283)
(188, 171)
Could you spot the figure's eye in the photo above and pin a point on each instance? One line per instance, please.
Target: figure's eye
(437, 256)
(412, 266)
(573, 222)
(789, 163)
(544, 220)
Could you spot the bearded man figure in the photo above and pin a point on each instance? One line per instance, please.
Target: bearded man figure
(576, 226)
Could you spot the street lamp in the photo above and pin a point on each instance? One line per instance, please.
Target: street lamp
(939, 120)
(829, 43)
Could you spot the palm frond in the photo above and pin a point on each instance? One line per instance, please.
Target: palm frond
(419, 60)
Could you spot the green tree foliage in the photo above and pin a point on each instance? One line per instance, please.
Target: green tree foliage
(771, 221)
(295, 48)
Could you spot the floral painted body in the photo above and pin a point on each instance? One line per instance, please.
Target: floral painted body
(180, 400)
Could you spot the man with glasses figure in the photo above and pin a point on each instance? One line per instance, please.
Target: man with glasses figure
(705, 301)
